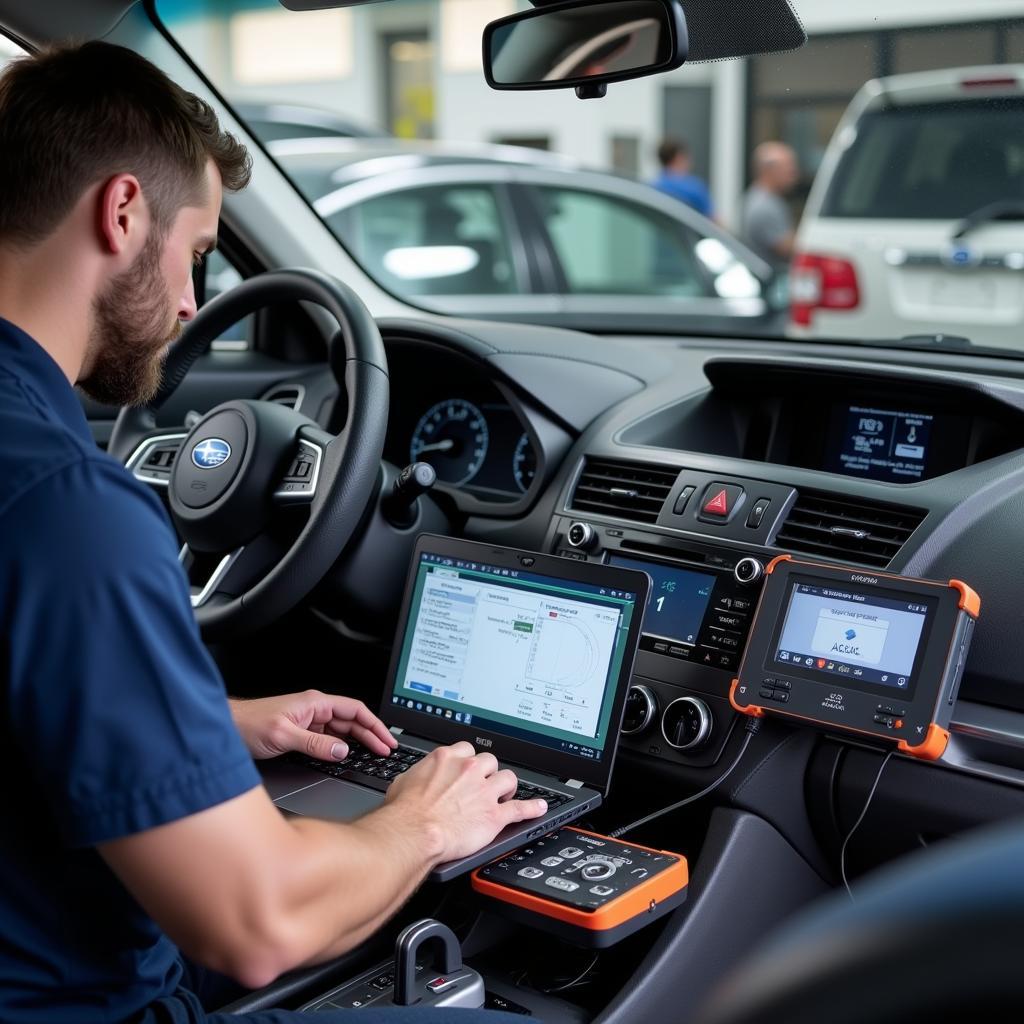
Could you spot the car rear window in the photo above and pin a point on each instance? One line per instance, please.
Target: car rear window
(937, 161)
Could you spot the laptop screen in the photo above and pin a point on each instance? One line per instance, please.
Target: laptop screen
(533, 657)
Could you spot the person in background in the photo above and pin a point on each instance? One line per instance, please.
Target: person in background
(678, 180)
(767, 225)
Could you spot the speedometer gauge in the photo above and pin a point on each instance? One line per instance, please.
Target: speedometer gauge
(452, 436)
(524, 463)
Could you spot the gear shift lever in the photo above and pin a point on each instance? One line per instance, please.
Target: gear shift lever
(445, 981)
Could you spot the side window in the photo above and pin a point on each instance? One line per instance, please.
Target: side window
(610, 246)
(221, 276)
(8, 49)
(435, 240)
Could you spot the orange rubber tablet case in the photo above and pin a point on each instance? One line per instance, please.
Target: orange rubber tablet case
(858, 651)
(587, 888)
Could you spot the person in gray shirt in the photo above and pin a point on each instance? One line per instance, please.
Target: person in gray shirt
(767, 221)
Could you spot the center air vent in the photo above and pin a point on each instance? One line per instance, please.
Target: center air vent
(626, 490)
(849, 529)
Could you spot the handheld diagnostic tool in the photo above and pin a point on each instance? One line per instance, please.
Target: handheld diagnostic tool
(858, 651)
(587, 888)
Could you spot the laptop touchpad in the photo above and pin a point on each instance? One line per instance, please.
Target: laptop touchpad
(332, 799)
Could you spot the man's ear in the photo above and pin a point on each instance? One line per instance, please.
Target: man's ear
(123, 216)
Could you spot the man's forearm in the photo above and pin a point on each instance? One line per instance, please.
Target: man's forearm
(357, 877)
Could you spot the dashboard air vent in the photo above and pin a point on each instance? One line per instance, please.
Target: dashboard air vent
(288, 395)
(851, 529)
(626, 490)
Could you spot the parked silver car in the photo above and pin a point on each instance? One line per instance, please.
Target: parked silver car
(510, 232)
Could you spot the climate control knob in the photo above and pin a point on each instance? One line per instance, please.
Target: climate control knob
(641, 710)
(686, 723)
(581, 535)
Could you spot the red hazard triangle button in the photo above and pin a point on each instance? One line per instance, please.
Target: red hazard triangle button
(718, 505)
(720, 502)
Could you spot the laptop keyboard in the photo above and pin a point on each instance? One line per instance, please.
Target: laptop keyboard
(378, 772)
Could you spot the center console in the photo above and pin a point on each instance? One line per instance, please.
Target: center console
(699, 614)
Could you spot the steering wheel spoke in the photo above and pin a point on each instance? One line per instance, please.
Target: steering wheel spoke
(153, 459)
(212, 573)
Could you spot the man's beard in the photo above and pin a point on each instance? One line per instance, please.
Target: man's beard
(132, 325)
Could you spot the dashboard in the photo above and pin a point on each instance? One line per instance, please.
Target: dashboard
(908, 461)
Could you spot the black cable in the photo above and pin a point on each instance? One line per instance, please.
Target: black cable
(575, 981)
(856, 824)
(752, 727)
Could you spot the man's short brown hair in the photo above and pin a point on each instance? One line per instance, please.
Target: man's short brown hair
(73, 116)
(669, 149)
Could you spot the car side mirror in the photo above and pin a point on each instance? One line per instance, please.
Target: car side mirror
(585, 44)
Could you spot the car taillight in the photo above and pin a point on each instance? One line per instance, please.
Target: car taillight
(821, 282)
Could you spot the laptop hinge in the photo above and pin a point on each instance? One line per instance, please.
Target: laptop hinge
(395, 730)
(575, 783)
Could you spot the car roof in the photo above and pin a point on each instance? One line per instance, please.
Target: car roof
(948, 84)
(368, 156)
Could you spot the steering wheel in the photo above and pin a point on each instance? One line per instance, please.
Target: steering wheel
(232, 477)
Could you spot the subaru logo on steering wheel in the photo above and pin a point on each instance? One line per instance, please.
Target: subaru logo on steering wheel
(211, 453)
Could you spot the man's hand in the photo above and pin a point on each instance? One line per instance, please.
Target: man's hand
(462, 797)
(310, 723)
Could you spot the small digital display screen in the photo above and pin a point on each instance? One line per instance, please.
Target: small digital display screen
(679, 598)
(880, 444)
(844, 633)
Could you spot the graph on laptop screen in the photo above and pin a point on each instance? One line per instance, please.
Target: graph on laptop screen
(513, 652)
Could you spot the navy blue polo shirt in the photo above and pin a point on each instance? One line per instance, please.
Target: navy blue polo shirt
(114, 718)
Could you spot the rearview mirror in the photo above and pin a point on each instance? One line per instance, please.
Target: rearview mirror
(585, 44)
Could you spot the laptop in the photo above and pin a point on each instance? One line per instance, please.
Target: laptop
(528, 656)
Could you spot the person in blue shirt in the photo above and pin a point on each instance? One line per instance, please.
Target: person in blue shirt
(136, 833)
(677, 179)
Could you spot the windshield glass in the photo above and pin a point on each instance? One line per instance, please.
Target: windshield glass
(868, 187)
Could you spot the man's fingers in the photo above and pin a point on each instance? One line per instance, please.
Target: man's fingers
(367, 737)
(521, 810)
(320, 745)
(504, 783)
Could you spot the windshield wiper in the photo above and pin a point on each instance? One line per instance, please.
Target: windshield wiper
(1001, 209)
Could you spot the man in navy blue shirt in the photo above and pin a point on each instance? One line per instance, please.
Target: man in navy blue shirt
(135, 824)
(678, 180)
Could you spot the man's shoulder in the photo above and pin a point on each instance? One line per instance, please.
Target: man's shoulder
(77, 497)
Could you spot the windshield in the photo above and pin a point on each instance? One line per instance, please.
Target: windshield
(867, 187)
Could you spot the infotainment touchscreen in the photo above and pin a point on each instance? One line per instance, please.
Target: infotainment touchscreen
(860, 651)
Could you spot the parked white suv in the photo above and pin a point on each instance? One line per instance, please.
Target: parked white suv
(915, 223)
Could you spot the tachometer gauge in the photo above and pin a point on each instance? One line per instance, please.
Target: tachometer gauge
(452, 436)
(524, 463)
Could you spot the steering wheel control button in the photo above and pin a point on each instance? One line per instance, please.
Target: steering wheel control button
(212, 460)
(720, 503)
(757, 513)
(683, 499)
(581, 536)
(748, 570)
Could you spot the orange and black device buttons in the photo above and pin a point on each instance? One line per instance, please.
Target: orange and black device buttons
(589, 889)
